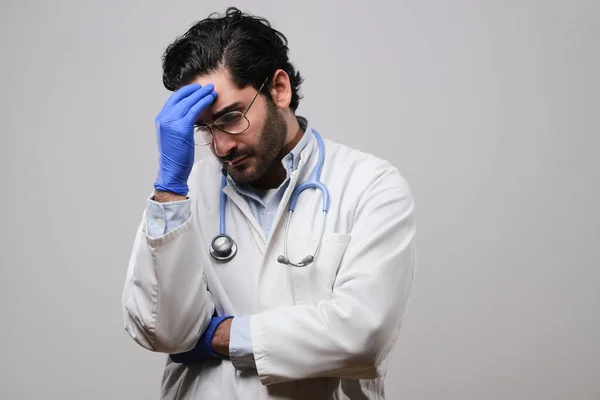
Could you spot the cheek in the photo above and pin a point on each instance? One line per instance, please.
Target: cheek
(251, 138)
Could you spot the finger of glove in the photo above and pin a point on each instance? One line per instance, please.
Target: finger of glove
(180, 94)
(185, 104)
(201, 105)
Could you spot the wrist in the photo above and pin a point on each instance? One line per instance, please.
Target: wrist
(220, 338)
(162, 196)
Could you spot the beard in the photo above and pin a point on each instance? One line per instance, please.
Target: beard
(270, 143)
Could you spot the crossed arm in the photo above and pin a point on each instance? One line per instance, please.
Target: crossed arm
(349, 334)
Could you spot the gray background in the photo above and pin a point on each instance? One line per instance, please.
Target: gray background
(489, 109)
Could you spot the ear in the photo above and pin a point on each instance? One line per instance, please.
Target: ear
(281, 89)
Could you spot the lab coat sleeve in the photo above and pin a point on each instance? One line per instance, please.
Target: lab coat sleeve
(165, 299)
(351, 334)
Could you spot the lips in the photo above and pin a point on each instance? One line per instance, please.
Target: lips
(237, 161)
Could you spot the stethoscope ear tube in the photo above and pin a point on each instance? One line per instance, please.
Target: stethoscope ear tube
(305, 261)
(308, 259)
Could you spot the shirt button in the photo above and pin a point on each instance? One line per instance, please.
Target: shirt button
(160, 222)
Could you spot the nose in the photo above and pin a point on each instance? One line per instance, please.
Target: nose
(223, 142)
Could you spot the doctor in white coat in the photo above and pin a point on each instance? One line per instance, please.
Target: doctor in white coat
(247, 299)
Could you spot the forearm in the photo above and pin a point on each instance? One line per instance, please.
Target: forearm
(221, 337)
(344, 348)
(165, 299)
(336, 338)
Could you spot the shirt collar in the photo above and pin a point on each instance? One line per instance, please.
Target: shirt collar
(292, 159)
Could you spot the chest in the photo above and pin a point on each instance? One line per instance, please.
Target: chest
(255, 279)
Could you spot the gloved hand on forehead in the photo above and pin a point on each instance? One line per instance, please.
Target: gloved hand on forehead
(175, 135)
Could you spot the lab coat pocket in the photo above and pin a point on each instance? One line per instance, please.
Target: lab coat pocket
(315, 281)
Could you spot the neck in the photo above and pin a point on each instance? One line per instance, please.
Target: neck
(276, 173)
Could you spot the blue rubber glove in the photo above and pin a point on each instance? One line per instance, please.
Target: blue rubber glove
(203, 348)
(175, 136)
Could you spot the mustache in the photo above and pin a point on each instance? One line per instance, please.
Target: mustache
(233, 155)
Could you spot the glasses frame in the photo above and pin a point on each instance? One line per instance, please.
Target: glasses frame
(209, 127)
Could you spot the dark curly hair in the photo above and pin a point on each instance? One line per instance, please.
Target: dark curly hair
(247, 46)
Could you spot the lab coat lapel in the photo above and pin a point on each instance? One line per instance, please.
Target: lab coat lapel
(242, 204)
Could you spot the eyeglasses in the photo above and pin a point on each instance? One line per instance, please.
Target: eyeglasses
(233, 122)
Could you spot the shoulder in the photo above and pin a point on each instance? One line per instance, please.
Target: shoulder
(368, 187)
(361, 169)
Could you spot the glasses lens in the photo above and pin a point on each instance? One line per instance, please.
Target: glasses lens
(202, 136)
(233, 122)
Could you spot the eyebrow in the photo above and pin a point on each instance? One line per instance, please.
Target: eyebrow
(216, 115)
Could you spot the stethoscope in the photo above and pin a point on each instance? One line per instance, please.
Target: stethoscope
(223, 248)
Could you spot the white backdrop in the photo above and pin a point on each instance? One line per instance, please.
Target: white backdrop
(489, 108)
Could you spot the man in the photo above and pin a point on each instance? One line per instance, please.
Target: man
(255, 326)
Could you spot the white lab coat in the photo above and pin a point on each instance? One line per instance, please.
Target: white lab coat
(319, 332)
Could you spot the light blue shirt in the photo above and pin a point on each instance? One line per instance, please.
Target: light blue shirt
(164, 217)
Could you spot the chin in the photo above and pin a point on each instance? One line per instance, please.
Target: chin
(243, 174)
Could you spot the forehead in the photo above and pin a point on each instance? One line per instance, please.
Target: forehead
(227, 92)
(220, 79)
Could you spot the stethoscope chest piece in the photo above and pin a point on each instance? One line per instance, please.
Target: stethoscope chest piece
(223, 248)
